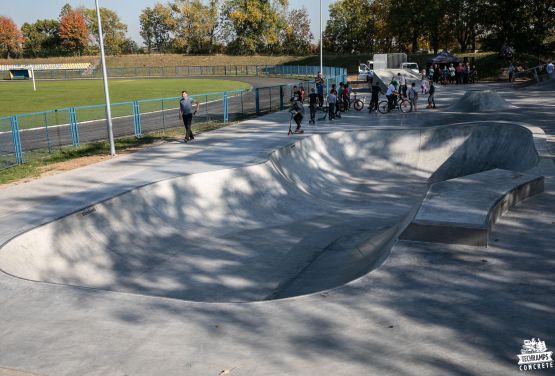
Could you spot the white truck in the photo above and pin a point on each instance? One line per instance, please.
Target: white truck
(365, 71)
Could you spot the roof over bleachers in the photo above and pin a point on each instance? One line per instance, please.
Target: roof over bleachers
(47, 67)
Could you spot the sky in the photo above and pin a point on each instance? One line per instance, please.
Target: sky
(129, 10)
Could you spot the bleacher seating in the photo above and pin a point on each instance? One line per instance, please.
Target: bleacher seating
(47, 67)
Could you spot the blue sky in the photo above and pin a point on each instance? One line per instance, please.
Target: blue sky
(30, 10)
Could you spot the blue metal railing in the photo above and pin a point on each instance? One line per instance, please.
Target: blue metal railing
(48, 130)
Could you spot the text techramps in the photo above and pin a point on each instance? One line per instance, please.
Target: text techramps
(317, 214)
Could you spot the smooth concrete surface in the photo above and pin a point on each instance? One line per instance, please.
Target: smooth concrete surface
(463, 210)
(246, 234)
(428, 309)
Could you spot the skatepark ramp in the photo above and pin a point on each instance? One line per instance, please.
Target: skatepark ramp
(480, 101)
(317, 214)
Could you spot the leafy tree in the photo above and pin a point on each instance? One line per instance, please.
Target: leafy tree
(74, 33)
(113, 29)
(196, 25)
(129, 46)
(254, 24)
(41, 38)
(350, 28)
(66, 9)
(10, 38)
(297, 35)
(157, 25)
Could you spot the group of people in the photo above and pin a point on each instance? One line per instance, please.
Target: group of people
(338, 98)
(398, 88)
(444, 74)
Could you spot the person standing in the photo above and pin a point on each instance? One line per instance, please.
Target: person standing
(550, 69)
(332, 101)
(402, 84)
(312, 103)
(511, 72)
(186, 113)
(413, 96)
(431, 97)
(375, 97)
(297, 111)
(451, 74)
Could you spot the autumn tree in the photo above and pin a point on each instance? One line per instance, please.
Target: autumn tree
(113, 29)
(10, 38)
(296, 34)
(157, 25)
(196, 25)
(41, 38)
(74, 33)
(255, 24)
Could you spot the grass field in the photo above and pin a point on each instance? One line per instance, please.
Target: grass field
(19, 98)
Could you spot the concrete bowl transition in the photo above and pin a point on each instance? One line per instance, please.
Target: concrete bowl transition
(317, 214)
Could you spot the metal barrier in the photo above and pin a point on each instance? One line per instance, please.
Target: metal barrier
(33, 136)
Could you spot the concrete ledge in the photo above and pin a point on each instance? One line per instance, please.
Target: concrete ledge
(463, 210)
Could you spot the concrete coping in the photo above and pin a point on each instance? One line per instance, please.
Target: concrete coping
(463, 210)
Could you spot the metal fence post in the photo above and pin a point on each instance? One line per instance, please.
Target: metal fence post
(47, 136)
(226, 114)
(257, 101)
(74, 130)
(16, 140)
(137, 119)
(163, 117)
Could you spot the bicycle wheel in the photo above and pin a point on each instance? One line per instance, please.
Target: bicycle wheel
(341, 106)
(382, 107)
(405, 106)
(358, 105)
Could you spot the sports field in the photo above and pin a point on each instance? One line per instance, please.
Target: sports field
(19, 98)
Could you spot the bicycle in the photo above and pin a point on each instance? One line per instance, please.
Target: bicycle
(400, 104)
(356, 103)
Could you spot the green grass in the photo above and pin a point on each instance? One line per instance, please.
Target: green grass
(39, 161)
(19, 98)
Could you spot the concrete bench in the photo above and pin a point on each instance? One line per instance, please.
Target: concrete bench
(463, 210)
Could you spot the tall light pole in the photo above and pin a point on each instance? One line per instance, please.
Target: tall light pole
(321, 43)
(105, 77)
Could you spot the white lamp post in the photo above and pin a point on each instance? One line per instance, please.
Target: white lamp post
(105, 77)
(321, 43)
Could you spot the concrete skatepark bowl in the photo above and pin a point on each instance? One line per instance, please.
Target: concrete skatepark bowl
(317, 214)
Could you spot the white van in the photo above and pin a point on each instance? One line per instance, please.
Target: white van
(412, 67)
(364, 70)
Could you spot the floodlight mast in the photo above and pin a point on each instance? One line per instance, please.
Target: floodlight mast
(105, 78)
(321, 43)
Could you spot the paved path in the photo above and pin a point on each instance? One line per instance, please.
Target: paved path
(429, 310)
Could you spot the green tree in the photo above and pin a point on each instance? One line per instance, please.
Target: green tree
(297, 35)
(350, 28)
(157, 25)
(255, 25)
(113, 29)
(41, 38)
(196, 25)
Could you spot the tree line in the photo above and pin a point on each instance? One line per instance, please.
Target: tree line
(368, 26)
(249, 27)
(182, 26)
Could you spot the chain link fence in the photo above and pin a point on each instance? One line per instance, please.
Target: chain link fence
(28, 137)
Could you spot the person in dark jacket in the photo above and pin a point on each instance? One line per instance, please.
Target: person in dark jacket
(186, 113)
